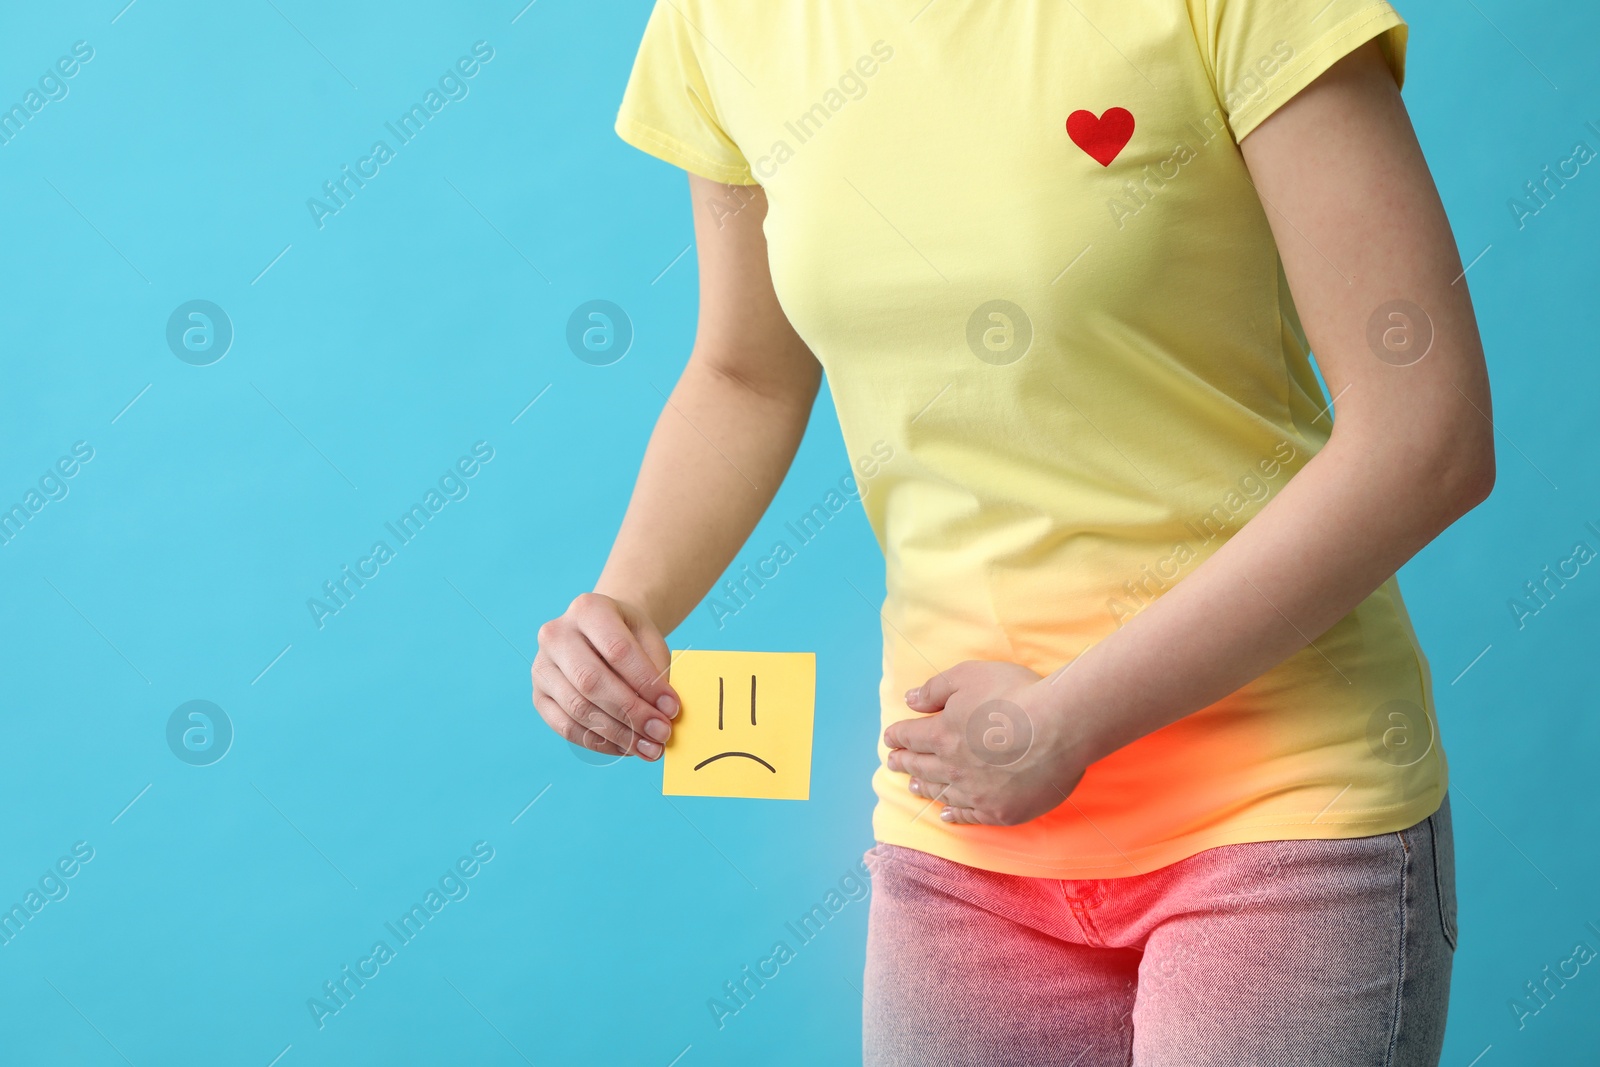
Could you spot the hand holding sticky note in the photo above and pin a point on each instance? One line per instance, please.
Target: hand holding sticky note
(745, 726)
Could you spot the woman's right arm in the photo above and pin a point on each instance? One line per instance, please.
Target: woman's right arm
(721, 446)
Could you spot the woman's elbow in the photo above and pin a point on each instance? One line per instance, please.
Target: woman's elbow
(1436, 465)
(1482, 483)
(1463, 473)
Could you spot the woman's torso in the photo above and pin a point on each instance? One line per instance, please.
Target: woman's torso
(1087, 374)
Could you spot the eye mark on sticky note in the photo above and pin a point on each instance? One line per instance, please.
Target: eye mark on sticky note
(745, 726)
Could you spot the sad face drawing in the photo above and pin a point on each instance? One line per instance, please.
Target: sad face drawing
(745, 728)
(721, 705)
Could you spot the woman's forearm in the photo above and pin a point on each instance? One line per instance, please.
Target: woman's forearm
(1338, 530)
(718, 453)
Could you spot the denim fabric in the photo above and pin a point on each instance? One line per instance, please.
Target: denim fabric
(1303, 953)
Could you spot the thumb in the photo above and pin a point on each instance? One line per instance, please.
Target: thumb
(655, 647)
(933, 694)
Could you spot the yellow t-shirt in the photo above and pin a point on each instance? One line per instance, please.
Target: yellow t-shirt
(1022, 240)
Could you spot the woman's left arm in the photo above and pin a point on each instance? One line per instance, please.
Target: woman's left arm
(1359, 225)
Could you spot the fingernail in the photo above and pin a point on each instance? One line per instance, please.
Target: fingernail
(658, 729)
(649, 749)
(947, 815)
(668, 707)
(912, 694)
(916, 787)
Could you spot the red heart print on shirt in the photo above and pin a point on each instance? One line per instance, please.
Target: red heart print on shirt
(1104, 137)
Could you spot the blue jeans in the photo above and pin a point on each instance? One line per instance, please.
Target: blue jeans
(1332, 953)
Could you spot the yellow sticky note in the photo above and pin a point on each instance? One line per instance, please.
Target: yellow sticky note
(745, 726)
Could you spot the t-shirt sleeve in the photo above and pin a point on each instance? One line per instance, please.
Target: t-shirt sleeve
(667, 109)
(1263, 52)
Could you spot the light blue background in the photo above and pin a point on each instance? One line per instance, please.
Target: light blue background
(374, 752)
